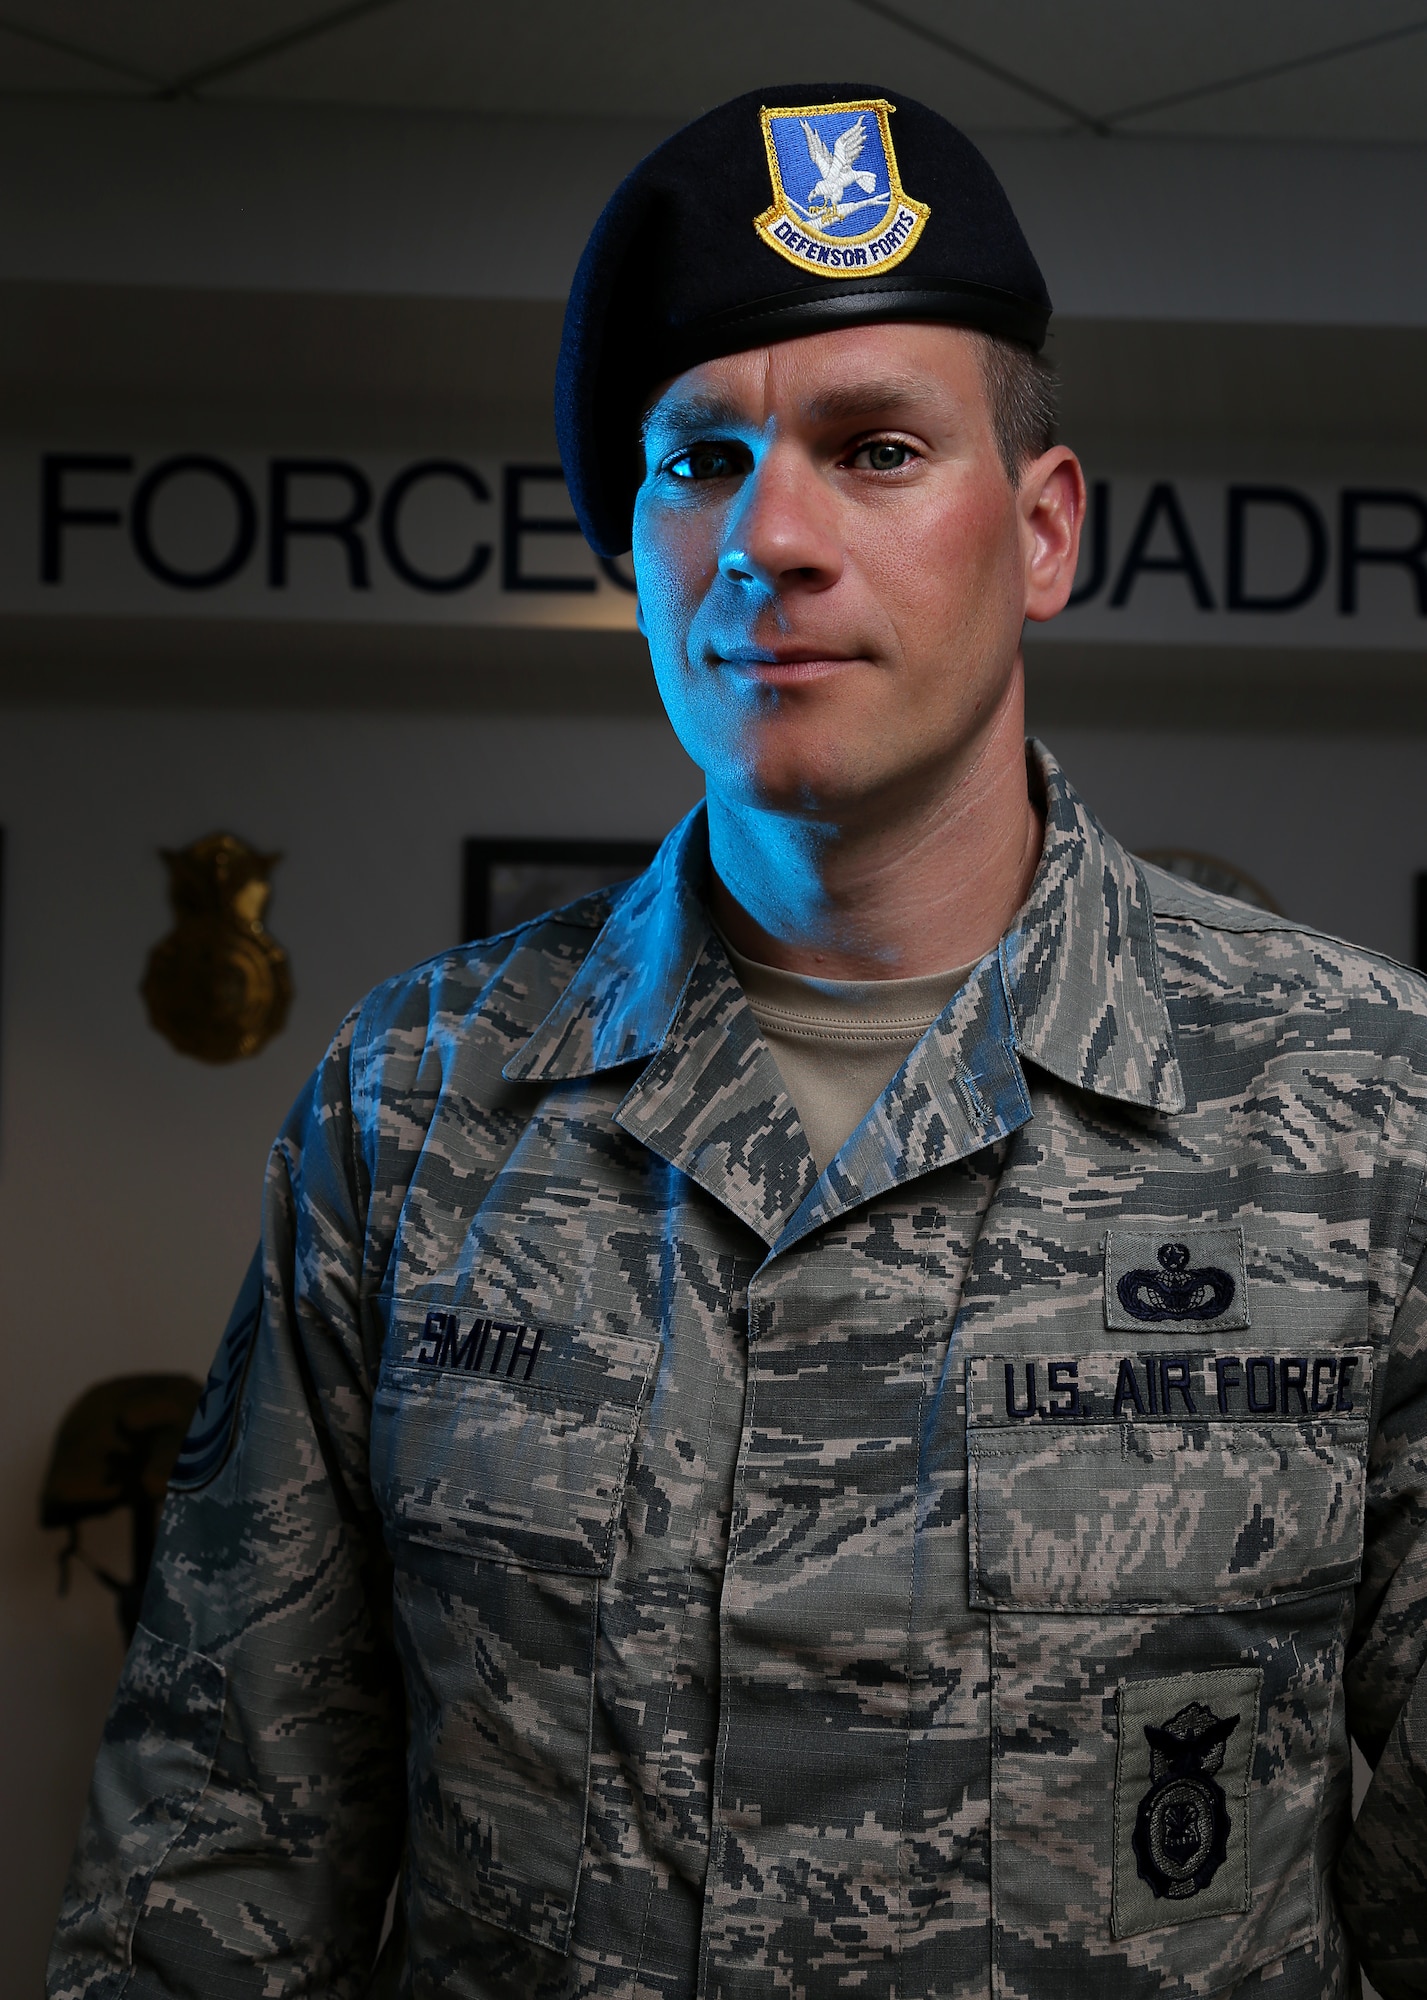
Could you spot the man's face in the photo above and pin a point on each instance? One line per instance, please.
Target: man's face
(834, 567)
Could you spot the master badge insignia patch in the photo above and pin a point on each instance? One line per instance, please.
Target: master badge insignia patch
(1176, 1278)
(838, 203)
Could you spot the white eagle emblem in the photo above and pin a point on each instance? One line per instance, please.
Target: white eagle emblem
(838, 169)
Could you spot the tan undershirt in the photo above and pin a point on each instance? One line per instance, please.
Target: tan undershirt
(839, 1042)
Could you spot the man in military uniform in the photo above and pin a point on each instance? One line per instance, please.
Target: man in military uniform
(848, 1417)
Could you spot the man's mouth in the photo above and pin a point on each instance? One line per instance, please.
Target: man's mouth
(785, 666)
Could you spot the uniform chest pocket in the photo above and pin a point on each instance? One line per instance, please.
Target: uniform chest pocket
(1185, 1481)
(500, 1456)
(505, 1441)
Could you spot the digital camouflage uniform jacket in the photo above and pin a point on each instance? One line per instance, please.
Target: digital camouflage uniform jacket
(958, 1574)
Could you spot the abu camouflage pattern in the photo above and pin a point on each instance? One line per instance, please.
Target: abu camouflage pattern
(703, 1576)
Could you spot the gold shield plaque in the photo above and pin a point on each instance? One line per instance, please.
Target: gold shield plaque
(218, 986)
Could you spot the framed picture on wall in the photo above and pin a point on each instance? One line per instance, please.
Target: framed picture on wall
(505, 882)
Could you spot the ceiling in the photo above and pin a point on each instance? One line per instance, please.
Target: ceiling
(1271, 69)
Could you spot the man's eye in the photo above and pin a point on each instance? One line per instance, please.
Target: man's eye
(883, 455)
(703, 461)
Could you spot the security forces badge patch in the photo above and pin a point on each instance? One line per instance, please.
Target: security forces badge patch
(1182, 1847)
(838, 201)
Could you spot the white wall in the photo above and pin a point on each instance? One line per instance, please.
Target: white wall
(129, 1175)
(322, 199)
(1333, 826)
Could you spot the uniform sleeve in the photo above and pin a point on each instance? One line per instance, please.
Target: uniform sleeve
(247, 1810)
(1382, 1875)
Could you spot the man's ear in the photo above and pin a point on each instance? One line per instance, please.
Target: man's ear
(1052, 501)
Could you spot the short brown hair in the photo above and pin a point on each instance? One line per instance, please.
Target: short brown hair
(1023, 391)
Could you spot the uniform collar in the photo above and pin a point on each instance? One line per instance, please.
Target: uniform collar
(1079, 966)
(1082, 965)
(1074, 987)
(620, 1005)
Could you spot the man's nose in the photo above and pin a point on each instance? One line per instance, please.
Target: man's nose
(782, 533)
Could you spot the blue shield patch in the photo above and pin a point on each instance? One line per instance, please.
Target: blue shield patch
(838, 201)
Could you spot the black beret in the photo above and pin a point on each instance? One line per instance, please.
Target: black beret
(790, 210)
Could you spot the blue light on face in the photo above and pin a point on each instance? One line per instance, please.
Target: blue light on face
(834, 170)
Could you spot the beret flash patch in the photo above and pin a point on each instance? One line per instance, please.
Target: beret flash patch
(838, 201)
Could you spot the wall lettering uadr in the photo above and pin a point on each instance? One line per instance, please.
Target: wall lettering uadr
(1346, 563)
(476, 540)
